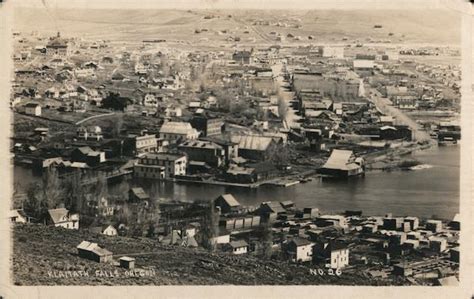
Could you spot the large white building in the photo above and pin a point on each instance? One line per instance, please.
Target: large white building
(160, 166)
(178, 131)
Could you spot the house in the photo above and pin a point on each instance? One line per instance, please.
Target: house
(62, 218)
(454, 255)
(147, 143)
(178, 131)
(223, 237)
(237, 247)
(254, 147)
(299, 250)
(150, 100)
(137, 194)
(173, 111)
(18, 216)
(208, 125)
(127, 262)
(337, 253)
(243, 57)
(33, 109)
(87, 155)
(227, 204)
(342, 163)
(107, 230)
(160, 165)
(92, 251)
(203, 151)
(434, 225)
(438, 244)
(90, 133)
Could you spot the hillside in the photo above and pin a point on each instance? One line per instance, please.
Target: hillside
(407, 26)
(40, 249)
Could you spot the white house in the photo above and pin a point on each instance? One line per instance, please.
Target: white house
(33, 109)
(160, 166)
(238, 247)
(62, 218)
(300, 250)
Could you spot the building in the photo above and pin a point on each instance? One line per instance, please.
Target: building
(127, 262)
(150, 100)
(107, 230)
(414, 222)
(237, 247)
(454, 255)
(161, 166)
(299, 250)
(94, 252)
(33, 109)
(137, 194)
(227, 204)
(90, 133)
(438, 244)
(254, 147)
(18, 216)
(243, 57)
(434, 225)
(148, 143)
(178, 131)
(87, 155)
(209, 126)
(343, 163)
(337, 253)
(62, 218)
(332, 52)
(203, 151)
(57, 47)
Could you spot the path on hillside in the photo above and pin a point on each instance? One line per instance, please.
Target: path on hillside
(94, 117)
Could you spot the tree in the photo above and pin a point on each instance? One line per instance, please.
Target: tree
(35, 204)
(75, 194)
(52, 188)
(210, 227)
(116, 102)
(280, 155)
(117, 126)
(282, 108)
(267, 241)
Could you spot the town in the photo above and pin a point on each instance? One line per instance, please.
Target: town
(89, 115)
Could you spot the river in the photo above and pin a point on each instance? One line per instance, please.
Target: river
(432, 190)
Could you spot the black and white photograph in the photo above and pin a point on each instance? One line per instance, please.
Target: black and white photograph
(237, 143)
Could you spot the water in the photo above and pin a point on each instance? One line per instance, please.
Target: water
(427, 191)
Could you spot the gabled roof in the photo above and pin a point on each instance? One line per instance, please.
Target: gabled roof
(58, 214)
(181, 128)
(300, 241)
(140, 193)
(238, 244)
(340, 159)
(252, 142)
(230, 200)
(274, 206)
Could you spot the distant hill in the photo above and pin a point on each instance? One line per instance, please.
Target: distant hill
(404, 26)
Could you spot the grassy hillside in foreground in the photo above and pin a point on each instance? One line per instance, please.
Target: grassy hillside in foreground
(39, 249)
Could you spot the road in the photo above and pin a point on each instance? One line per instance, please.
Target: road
(292, 118)
(386, 107)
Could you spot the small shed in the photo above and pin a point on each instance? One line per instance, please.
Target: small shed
(127, 262)
(94, 252)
